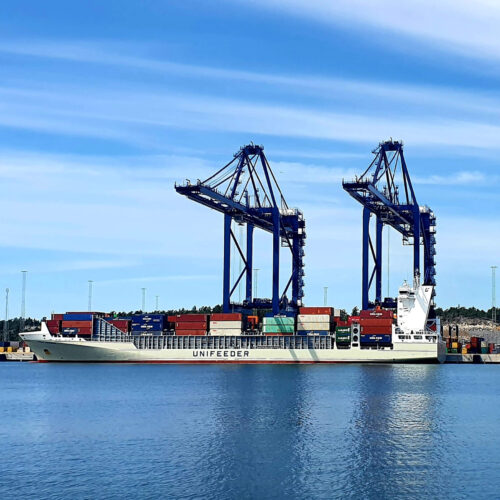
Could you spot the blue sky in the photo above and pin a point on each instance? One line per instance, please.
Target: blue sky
(106, 104)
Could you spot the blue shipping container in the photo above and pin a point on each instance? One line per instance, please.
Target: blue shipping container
(376, 339)
(69, 331)
(148, 318)
(147, 326)
(77, 317)
(4, 344)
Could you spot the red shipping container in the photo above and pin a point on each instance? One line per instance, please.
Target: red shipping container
(376, 313)
(377, 330)
(76, 324)
(190, 317)
(57, 317)
(121, 324)
(375, 322)
(191, 325)
(84, 330)
(172, 319)
(226, 317)
(53, 322)
(53, 329)
(315, 310)
(190, 332)
(354, 319)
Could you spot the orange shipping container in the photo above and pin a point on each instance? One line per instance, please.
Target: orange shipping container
(191, 325)
(315, 310)
(226, 317)
(190, 332)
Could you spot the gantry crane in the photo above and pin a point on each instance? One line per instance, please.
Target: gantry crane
(245, 190)
(378, 190)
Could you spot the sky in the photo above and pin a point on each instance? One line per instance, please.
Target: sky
(105, 105)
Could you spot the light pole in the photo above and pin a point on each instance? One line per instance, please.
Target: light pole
(157, 309)
(493, 295)
(143, 300)
(325, 296)
(90, 296)
(23, 302)
(6, 322)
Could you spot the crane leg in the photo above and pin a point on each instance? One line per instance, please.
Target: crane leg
(366, 238)
(226, 292)
(378, 284)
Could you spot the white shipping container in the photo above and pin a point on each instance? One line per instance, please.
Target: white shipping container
(302, 325)
(225, 331)
(313, 318)
(336, 312)
(226, 324)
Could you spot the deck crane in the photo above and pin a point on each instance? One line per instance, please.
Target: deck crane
(378, 190)
(245, 190)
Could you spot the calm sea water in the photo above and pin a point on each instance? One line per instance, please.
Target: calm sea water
(160, 431)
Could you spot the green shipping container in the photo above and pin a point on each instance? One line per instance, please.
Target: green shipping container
(484, 350)
(279, 321)
(343, 339)
(278, 329)
(343, 329)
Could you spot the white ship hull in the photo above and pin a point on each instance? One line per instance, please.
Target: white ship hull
(66, 350)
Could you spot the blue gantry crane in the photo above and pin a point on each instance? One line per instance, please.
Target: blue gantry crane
(245, 190)
(378, 190)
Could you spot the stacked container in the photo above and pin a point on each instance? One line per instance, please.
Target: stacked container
(278, 325)
(343, 336)
(190, 324)
(314, 321)
(226, 324)
(77, 323)
(376, 326)
(147, 324)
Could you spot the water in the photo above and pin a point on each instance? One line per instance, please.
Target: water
(174, 431)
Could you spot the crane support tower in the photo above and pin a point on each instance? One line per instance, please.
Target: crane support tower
(245, 190)
(378, 190)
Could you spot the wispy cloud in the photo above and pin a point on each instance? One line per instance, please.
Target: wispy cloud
(461, 26)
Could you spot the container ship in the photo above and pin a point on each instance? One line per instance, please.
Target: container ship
(405, 333)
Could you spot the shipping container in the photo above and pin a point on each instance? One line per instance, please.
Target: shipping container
(57, 317)
(279, 321)
(146, 326)
(314, 318)
(191, 325)
(226, 324)
(226, 317)
(69, 331)
(343, 329)
(77, 317)
(376, 313)
(316, 310)
(190, 332)
(278, 329)
(313, 326)
(225, 331)
(313, 332)
(376, 330)
(148, 318)
(375, 339)
(76, 324)
(188, 317)
(375, 322)
(4, 344)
